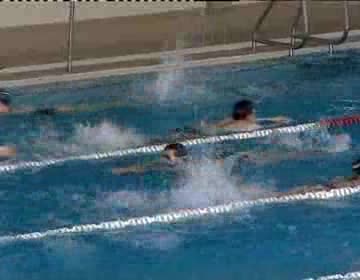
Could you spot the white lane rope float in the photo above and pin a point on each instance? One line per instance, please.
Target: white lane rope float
(343, 121)
(347, 276)
(182, 215)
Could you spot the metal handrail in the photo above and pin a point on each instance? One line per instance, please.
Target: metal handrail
(345, 33)
(293, 45)
(70, 36)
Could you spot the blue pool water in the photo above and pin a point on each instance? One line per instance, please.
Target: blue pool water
(290, 241)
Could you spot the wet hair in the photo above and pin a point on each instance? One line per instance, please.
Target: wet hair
(5, 98)
(356, 167)
(180, 149)
(242, 110)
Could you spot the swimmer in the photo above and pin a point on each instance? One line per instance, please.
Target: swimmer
(338, 183)
(243, 119)
(173, 157)
(6, 107)
(5, 102)
(7, 152)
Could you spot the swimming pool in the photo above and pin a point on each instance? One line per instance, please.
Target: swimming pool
(289, 241)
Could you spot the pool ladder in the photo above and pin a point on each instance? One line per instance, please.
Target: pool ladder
(299, 40)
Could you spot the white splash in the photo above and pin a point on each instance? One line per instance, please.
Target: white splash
(207, 183)
(105, 136)
(170, 82)
(86, 138)
(314, 140)
(203, 184)
(125, 199)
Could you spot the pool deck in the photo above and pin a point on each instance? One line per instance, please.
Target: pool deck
(219, 38)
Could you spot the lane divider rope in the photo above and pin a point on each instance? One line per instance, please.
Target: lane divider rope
(348, 276)
(182, 215)
(342, 121)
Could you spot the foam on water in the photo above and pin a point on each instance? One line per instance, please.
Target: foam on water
(203, 184)
(86, 138)
(315, 140)
(106, 136)
(166, 82)
(208, 184)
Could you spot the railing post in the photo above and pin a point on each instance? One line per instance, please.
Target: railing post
(347, 16)
(70, 36)
(305, 16)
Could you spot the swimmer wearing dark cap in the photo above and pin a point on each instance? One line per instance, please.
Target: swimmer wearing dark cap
(173, 158)
(5, 102)
(338, 183)
(6, 108)
(244, 118)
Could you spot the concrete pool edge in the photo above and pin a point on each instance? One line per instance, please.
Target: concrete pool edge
(221, 60)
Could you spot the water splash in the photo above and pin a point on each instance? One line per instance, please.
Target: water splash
(86, 138)
(106, 136)
(206, 184)
(314, 140)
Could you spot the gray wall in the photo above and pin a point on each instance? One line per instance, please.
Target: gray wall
(33, 13)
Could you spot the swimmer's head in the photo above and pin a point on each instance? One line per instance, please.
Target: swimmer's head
(5, 99)
(356, 167)
(243, 110)
(175, 151)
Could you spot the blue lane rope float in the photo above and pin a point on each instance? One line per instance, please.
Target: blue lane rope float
(261, 133)
(183, 215)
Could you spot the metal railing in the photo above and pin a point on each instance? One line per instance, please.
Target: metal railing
(70, 35)
(304, 37)
(296, 42)
(342, 38)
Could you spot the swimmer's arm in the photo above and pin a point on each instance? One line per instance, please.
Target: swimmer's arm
(307, 189)
(275, 157)
(139, 169)
(7, 151)
(135, 169)
(278, 119)
(43, 111)
(63, 109)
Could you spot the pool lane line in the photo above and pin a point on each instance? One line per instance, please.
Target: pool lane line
(347, 276)
(152, 149)
(182, 215)
(157, 148)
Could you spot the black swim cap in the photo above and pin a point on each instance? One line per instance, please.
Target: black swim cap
(242, 109)
(5, 97)
(356, 167)
(180, 149)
